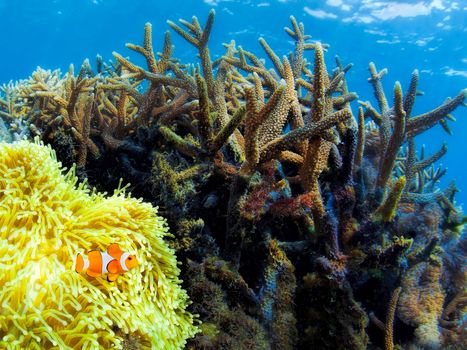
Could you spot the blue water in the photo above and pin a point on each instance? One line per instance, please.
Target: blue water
(428, 35)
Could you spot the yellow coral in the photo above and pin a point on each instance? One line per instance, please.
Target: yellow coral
(388, 209)
(46, 217)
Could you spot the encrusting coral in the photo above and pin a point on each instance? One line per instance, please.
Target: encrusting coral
(293, 220)
(46, 218)
(421, 303)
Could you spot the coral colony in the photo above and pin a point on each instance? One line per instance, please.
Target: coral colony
(295, 225)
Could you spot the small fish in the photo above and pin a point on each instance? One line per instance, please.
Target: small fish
(113, 262)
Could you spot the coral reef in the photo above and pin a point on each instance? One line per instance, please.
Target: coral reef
(296, 223)
(46, 218)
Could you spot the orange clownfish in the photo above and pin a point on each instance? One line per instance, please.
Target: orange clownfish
(113, 262)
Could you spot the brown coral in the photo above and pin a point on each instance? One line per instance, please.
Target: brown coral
(421, 303)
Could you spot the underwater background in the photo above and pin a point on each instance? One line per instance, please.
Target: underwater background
(401, 36)
(283, 171)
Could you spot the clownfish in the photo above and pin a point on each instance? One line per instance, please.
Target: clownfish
(113, 262)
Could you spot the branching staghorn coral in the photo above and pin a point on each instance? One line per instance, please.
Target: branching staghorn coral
(46, 219)
(264, 140)
(63, 101)
(81, 114)
(388, 326)
(396, 125)
(74, 104)
(14, 113)
(10, 103)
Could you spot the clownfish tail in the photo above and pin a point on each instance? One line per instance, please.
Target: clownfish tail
(79, 262)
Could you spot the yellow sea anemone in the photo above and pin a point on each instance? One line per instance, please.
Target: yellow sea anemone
(46, 218)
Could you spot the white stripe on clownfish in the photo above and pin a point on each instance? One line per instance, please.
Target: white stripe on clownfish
(85, 260)
(106, 259)
(122, 261)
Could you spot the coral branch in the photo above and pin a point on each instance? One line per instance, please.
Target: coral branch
(425, 121)
(389, 326)
(388, 159)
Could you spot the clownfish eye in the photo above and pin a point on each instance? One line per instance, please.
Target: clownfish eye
(131, 261)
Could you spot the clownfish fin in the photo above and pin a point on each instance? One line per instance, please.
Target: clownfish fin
(112, 277)
(114, 250)
(92, 273)
(113, 267)
(79, 263)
